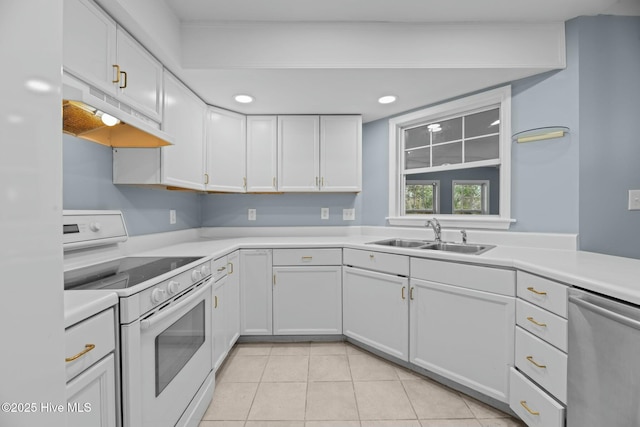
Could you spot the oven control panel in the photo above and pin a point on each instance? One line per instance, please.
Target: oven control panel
(82, 229)
(164, 291)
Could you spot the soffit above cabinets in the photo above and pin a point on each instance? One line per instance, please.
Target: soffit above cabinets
(336, 57)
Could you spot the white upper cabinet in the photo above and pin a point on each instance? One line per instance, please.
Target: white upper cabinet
(184, 114)
(320, 153)
(226, 151)
(90, 44)
(340, 153)
(262, 154)
(140, 80)
(298, 153)
(102, 54)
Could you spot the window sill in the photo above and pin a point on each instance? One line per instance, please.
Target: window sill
(455, 221)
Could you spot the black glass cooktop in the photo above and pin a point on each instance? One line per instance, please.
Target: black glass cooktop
(122, 273)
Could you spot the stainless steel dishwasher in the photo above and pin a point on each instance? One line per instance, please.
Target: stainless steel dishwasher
(604, 362)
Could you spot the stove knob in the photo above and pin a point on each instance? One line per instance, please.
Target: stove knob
(173, 287)
(158, 295)
(196, 275)
(205, 270)
(95, 226)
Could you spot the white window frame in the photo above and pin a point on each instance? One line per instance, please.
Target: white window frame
(436, 193)
(496, 97)
(485, 192)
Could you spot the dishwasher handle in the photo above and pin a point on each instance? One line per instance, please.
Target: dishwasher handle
(607, 312)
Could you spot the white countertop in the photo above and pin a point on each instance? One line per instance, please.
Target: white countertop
(617, 277)
(80, 305)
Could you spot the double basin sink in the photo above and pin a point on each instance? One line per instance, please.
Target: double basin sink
(461, 248)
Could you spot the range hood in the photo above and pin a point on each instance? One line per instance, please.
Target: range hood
(83, 108)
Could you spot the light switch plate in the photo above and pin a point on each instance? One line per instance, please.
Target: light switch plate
(634, 200)
(251, 214)
(172, 216)
(348, 214)
(324, 213)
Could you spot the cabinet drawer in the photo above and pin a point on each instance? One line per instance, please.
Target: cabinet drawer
(544, 411)
(543, 324)
(219, 268)
(378, 261)
(494, 280)
(543, 292)
(543, 363)
(307, 257)
(96, 331)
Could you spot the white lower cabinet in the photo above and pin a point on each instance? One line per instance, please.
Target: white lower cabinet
(464, 335)
(256, 295)
(226, 306)
(219, 323)
(91, 396)
(376, 310)
(232, 298)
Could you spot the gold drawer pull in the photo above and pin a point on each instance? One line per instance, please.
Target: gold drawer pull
(307, 258)
(230, 265)
(532, 320)
(530, 359)
(222, 269)
(532, 289)
(529, 410)
(371, 256)
(87, 349)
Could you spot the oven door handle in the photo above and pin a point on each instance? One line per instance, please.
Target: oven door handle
(161, 315)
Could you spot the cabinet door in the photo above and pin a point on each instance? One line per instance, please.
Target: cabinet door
(307, 300)
(464, 335)
(140, 83)
(376, 310)
(91, 396)
(256, 292)
(340, 153)
(226, 151)
(89, 39)
(298, 153)
(232, 298)
(219, 323)
(184, 116)
(262, 160)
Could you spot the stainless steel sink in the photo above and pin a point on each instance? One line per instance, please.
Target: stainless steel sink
(461, 248)
(458, 247)
(402, 243)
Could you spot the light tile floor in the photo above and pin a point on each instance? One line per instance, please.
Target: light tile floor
(334, 385)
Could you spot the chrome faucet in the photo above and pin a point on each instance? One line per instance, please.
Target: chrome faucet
(437, 230)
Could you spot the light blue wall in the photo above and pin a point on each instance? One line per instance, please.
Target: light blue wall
(301, 209)
(609, 134)
(87, 184)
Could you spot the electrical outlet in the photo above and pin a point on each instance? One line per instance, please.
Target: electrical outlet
(324, 213)
(634, 200)
(251, 214)
(348, 214)
(172, 216)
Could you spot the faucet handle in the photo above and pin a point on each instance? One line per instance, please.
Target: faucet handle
(464, 236)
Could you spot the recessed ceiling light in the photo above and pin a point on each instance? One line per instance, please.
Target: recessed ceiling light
(387, 99)
(244, 99)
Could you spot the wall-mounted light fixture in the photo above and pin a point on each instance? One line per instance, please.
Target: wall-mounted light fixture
(539, 134)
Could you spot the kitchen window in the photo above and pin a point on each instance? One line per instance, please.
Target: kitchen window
(463, 145)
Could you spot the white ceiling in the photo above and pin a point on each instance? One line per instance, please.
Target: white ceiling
(326, 89)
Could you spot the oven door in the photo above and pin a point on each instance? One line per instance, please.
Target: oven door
(170, 362)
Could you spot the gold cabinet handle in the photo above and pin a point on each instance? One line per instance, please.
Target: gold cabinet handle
(307, 258)
(371, 256)
(244, 182)
(206, 178)
(124, 80)
(322, 182)
(215, 304)
(411, 293)
(87, 349)
(117, 67)
(403, 297)
(222, 269)
(274, 279)
(274, 182)
(536, 364)
(317, 181)
(532, 289)
(230, 265)
(529, 410)
(532, 320)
